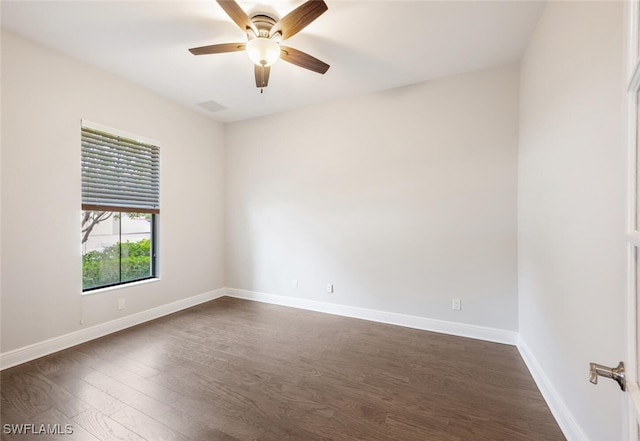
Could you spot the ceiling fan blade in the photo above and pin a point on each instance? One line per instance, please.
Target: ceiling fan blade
(217, 48)
(299, 18)
(262, 75)
(299, 58)
(238, 15)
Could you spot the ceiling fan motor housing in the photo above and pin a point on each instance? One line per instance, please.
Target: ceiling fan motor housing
(263, 23)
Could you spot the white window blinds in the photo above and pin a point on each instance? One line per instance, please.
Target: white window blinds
(119, 173)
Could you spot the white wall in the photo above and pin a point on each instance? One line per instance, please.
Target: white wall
(44, 97)
(403, 199)
(571, 207)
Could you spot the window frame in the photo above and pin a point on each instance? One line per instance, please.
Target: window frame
(155, 214)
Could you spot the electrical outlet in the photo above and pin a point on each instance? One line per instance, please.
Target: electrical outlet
(294, 283)
(456, 304)
(121, 304)
(329, 287)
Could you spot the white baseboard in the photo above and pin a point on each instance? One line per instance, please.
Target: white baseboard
(409, 321)
(31, 352)
(569, 426)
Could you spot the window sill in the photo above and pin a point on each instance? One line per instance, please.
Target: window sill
(123, 286)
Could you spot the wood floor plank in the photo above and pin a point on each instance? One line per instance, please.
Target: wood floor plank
(51, 425)
(105, 428)
(116, 353)
(64, 427)
(71, 380)
(149, 428)
(127, 395)
(12, 415)
(235, 370)
(31, 393)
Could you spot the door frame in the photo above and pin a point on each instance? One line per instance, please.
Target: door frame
(632, 218)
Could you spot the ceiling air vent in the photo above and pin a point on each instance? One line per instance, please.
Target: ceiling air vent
(212, 106)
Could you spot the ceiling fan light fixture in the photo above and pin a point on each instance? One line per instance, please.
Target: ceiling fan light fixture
(263, 51)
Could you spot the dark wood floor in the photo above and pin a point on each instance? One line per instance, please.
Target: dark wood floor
(235, 370)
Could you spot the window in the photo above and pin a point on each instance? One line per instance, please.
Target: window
(120, 208)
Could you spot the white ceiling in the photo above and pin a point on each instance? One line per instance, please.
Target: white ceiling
(370, 45)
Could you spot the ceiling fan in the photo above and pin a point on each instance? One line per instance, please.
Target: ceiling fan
(264, 34)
